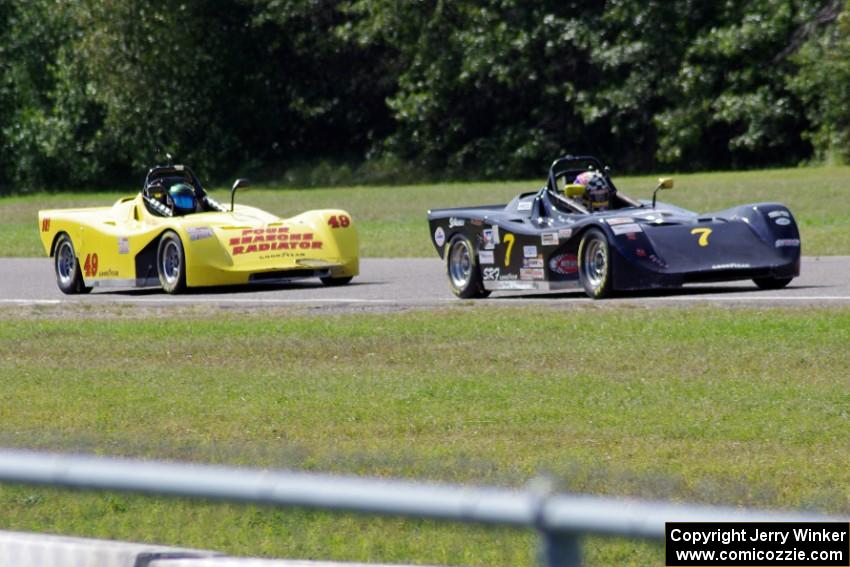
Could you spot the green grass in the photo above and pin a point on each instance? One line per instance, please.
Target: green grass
(392, 219)
(739, 407)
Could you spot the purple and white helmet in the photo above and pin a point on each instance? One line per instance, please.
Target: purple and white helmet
(597, 192)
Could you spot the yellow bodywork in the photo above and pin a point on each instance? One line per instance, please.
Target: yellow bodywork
(117, 245)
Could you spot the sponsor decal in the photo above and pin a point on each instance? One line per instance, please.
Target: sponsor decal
(507, 277)
(533, 262)
(491, 237)
(549, 239)
(123, 245)
(626, 228)
(564, 264)
(783, 221)
(485, 257)
(529, 251)
(296, 254)
(439, 236)
(476, 222)
(565, 233)
(731, 266)
(490, 274)
(789, 242)
(199, 232)
(531, 274)
(110, 273)
(774, 214)
(456, 222)
(272, 238)
(45, 224)
(613, 221)
(640, 252)
(513, 285)
(524, 206)
(489, 242)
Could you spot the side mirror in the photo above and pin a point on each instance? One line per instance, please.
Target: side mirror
(574, 190)
(238, 184)
(663, 183)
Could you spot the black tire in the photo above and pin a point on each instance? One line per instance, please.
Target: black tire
(69, 278)
(463, 269)
(594, 264)
(772, 283)
(331, 281)
(171, 263)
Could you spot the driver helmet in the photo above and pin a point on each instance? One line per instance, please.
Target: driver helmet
(183, 197)
(597, 192)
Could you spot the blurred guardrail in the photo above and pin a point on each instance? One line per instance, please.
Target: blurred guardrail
(561, 520)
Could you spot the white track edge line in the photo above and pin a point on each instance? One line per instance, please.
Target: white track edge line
(341, 301)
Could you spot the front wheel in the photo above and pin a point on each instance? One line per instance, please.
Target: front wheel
(463, 269)
(594, 264)
(772, 283)
(69, 278)
(171, 263)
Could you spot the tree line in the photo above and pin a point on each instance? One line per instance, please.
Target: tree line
(92, 92)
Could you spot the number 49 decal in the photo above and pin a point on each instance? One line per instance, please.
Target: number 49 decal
(90, 266)
(340, 221)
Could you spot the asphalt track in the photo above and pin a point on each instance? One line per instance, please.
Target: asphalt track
(421, 282)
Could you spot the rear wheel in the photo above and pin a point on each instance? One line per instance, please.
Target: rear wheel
(171, 263)
(463, 269)
(772, 283)
(331, 281)
(69, 278)
(594, 264)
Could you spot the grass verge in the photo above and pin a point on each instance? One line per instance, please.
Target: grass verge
(739, 407)
(392, 222)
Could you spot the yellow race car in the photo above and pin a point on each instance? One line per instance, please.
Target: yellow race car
(174, 235)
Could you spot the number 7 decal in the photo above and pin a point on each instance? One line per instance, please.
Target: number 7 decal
(703, 235)
(509, 240)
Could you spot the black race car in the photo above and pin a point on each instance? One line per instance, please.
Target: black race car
(578, 230)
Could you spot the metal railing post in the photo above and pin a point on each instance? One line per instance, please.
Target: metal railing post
(561, 520)
(559, 549)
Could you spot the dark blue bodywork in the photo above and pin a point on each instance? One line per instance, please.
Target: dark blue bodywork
(533, 241)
